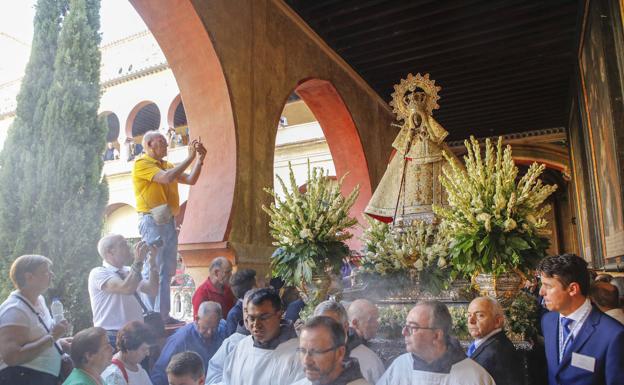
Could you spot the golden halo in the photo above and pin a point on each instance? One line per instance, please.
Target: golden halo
(411, 84)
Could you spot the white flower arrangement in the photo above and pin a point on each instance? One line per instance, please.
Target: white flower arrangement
(497, 223)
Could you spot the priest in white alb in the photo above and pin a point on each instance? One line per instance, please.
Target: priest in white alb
(269, 355)
(431, 357)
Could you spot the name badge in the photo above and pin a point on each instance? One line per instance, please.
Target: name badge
(583, 362)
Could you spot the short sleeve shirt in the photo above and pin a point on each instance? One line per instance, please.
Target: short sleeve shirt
(111, 311)
(13, 312)
(150, 194)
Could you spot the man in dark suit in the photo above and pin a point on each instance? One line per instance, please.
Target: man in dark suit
(583, 345)
(491, 348)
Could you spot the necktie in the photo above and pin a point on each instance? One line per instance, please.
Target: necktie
(566, 323)
(471, 349)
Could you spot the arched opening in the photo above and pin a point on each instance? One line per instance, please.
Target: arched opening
(208, 109)
(299, 141)
(121, 218)
(342, 139)
(147, 118)
(178, 132)
(112, 122)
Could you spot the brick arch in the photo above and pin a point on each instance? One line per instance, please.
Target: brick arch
(133, 114)
(343, 140)
(190, 54)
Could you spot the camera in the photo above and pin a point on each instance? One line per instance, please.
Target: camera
(156, 242)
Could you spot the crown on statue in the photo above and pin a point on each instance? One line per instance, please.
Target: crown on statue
(412, 91)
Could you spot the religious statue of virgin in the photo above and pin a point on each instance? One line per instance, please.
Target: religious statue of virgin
(410, 184)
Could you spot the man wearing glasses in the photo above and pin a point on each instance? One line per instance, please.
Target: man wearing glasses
(268, 356)
(431, 358)
(322, 352)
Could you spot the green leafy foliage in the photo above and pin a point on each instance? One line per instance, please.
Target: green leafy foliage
(310, 227)
(497, 219)
(62, 179)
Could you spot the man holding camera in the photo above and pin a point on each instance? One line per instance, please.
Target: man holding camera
(155, 183)
(113, 285)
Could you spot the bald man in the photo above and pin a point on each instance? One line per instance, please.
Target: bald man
(215, 287)
(370, 364)
(491, 348)
(364, 318)
(606, 297)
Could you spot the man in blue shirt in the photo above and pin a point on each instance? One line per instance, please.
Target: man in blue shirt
(241, 282)
(203, 337)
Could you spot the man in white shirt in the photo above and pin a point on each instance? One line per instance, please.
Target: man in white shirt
(431, 358)
(113, 286)
(370, 364)
(491, 348)
(268, 356)
(606, 297)
(583, 345)
(323, 355)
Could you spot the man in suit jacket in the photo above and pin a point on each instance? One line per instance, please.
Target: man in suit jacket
(583, 345)
(491, 348)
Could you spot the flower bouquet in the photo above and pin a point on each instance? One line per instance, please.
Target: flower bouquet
(309, 229)
(409, 256)
(497, 222)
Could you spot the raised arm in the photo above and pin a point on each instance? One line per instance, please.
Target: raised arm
(129, 285)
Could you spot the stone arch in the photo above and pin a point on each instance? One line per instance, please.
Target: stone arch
(343, 140)
(112, 122)
(121, 218)
(144, 117)
(172, 109)
(191, 56)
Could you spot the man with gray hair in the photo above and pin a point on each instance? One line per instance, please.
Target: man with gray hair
(204, 336)
(113, 286)
(431, 356)
(491, 348)
(155, 182)
(370, 364)
(214, 373)
(215, 287)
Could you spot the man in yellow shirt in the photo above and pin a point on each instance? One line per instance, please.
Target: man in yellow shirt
(155, 183)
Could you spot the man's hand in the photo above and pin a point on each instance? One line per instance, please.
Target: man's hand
(192, 149)
(151, 258)
(140, 251)
(201, 150)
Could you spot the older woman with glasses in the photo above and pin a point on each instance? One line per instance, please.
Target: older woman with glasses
(30, 342)
(133, 344)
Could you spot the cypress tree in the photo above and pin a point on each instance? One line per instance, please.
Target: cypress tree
(19, 187)
(73, 193)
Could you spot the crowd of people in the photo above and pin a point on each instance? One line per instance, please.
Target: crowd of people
(582, 343)
(245, 333)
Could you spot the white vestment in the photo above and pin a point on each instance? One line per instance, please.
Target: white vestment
(371, 366)
(214, 373)
(359, 381)
(464, 372)
(249, 365)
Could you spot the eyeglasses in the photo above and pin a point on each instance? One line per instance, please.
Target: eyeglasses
(410, 330)
(315, 353)
(261, 318)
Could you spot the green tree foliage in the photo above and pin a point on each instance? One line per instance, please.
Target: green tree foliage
(18, 160)
(74, 195)
(65, 218)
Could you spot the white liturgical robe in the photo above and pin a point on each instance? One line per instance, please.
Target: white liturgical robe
(214, 374)
(370, 364)
(250, 365)
(464, 372)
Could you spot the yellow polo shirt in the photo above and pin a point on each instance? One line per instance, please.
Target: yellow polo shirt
(150, 194)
